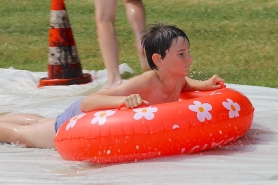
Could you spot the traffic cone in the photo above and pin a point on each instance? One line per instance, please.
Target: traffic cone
(64, 67)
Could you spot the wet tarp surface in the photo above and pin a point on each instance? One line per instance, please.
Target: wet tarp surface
(252, 159)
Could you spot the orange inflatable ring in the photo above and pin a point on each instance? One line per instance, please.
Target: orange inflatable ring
(199, 121)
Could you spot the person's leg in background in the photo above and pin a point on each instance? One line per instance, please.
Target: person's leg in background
(105, 15)
(136, 16)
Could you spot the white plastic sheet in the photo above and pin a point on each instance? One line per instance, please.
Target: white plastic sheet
(253, 159)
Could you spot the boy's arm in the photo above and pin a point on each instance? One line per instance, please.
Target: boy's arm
(128, 93)
(196, 85)
(100, 101)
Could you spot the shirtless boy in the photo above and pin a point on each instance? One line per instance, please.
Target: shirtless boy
(167, 50)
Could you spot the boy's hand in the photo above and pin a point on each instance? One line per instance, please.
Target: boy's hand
(133, 101)
(213, 83)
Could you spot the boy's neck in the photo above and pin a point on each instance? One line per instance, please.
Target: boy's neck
(169, 84)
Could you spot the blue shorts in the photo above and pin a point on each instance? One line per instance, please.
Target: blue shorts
(71, 111)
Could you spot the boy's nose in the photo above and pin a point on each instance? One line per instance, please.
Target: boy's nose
(189, 59)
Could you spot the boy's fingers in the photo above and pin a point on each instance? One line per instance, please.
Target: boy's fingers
(217, 86)
(138, 99)
(146, 102)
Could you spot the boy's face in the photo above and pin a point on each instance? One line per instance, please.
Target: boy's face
(177, 58)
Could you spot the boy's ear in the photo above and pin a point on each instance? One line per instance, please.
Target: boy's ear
(156, 59)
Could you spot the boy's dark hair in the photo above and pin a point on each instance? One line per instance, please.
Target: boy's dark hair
(158, 39)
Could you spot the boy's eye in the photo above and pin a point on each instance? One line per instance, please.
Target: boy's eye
(181, 54)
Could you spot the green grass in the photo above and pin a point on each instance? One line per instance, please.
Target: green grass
(236, 39)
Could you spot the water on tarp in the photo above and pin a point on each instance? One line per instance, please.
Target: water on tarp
(250, 160)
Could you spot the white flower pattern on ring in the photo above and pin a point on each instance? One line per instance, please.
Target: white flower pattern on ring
(233, 108)
(73, 120)
(146, 112)
(100, 116)
(202, 110)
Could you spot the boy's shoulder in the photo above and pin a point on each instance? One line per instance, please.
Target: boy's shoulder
(146, 77)
(141, 84)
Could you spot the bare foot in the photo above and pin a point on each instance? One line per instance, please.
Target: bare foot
(110, 86)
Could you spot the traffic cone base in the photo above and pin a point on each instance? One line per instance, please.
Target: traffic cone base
(86, 78)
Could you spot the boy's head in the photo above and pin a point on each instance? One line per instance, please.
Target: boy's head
(158, 39)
